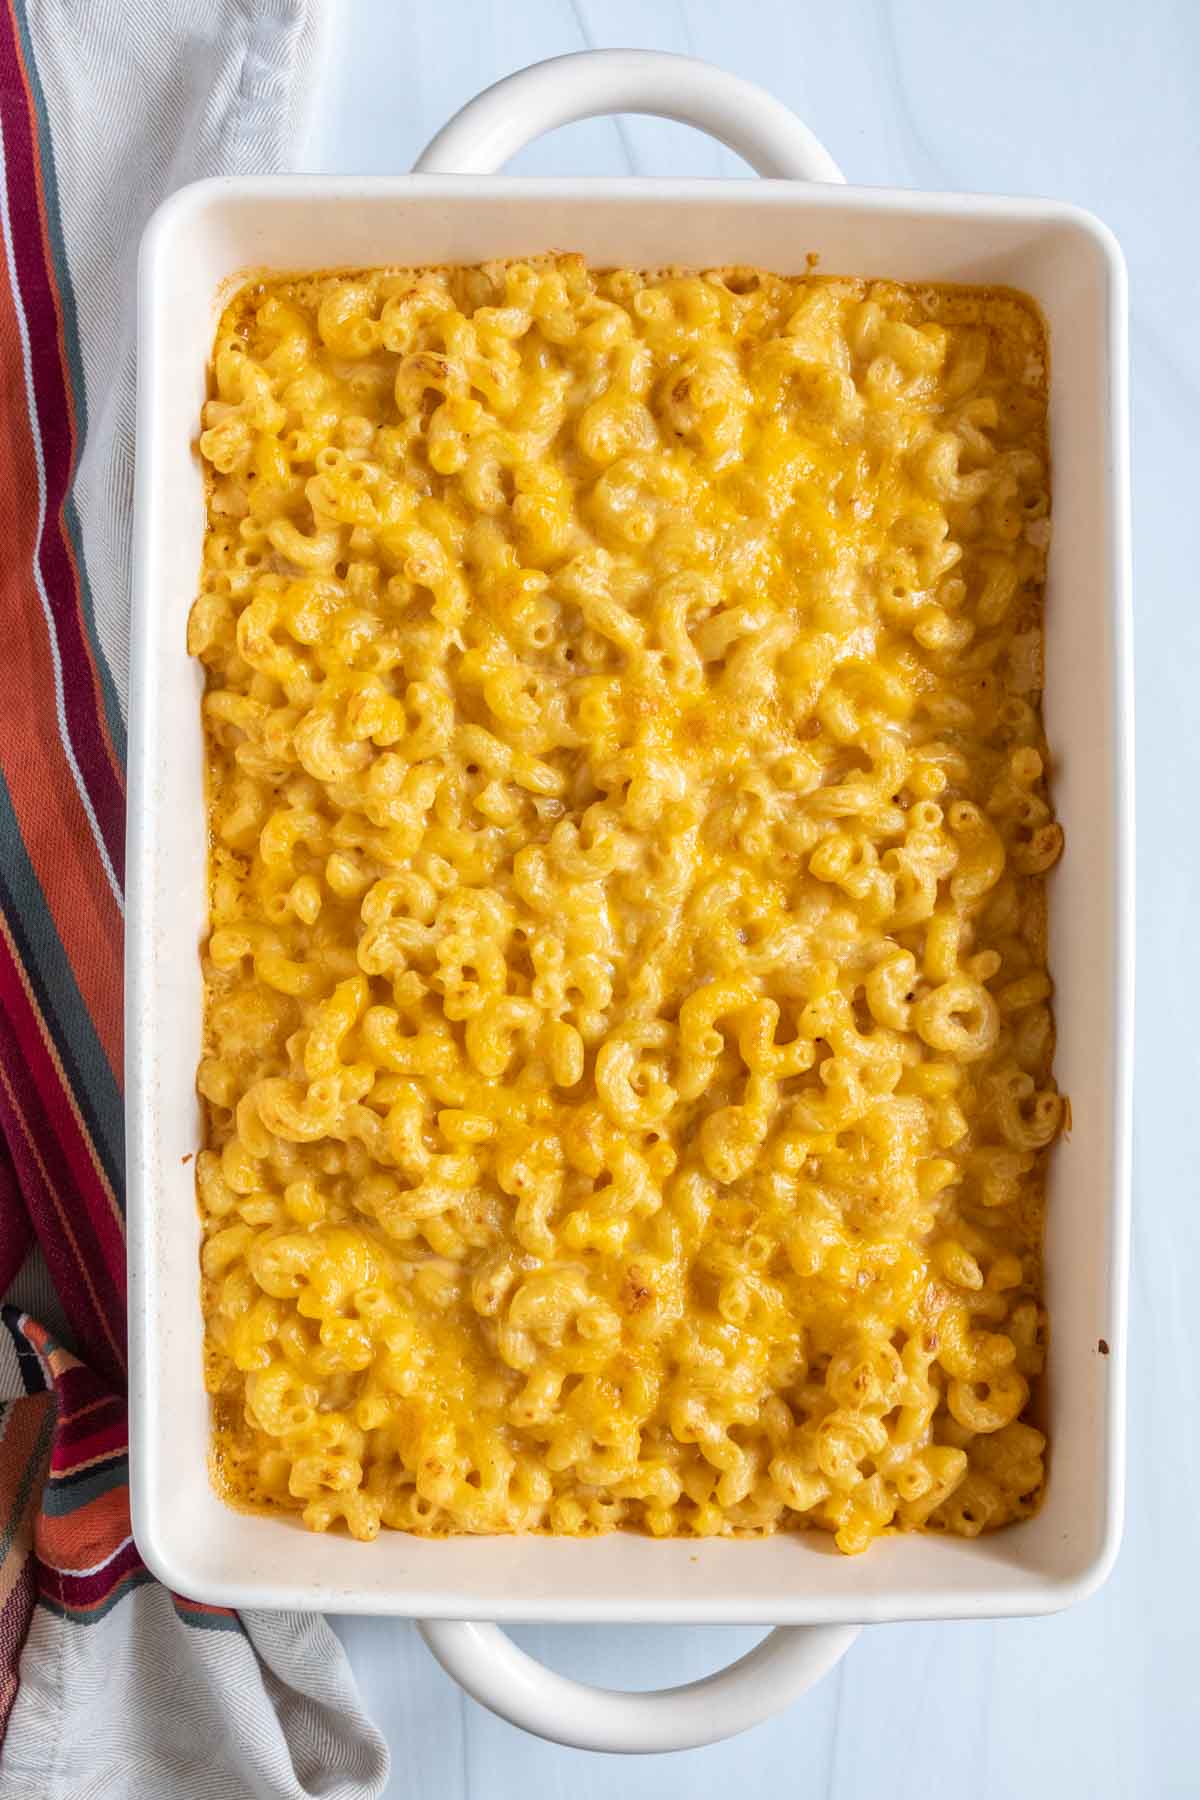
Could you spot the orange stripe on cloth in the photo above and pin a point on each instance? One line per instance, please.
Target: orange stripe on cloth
(82, 1541)
(66, 389)
(53, 824)
(20, 1486)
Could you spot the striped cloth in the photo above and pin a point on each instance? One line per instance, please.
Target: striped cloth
(108, 1684)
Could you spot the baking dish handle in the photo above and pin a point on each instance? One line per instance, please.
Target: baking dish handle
(496, 1672)
(500, 121)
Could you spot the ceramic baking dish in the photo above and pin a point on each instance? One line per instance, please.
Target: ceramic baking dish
(1070, 263)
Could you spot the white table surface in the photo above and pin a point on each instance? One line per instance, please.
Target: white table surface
(1095, 101)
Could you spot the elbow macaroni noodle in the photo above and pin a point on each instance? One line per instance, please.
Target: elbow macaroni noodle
(628, 1034)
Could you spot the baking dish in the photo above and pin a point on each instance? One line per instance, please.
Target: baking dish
(1069, 262)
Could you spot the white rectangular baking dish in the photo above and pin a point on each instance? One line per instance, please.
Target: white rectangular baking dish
(1070, 263)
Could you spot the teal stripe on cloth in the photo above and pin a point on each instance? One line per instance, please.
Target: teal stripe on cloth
(92, 1081)
(206, 1621)
(136, 1578)
(59, 1498)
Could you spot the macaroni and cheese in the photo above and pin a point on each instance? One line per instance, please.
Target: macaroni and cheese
(628, 1034)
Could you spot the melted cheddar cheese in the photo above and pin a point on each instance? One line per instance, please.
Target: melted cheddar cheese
(628, 1035)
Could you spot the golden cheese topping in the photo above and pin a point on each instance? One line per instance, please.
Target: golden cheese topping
(628, 1037)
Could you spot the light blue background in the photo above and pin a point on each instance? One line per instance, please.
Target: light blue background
(1096, 101)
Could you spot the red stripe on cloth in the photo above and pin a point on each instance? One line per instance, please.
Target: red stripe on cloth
(98, 763)
(40, 1068)
(98, 1450)
(81, 1594)
(22, 1448)
(15, 1614)
(100, 1431)
(89, 1540)
(68, 1202)
(49, 810)
(16, 1233)
(79, 1416)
